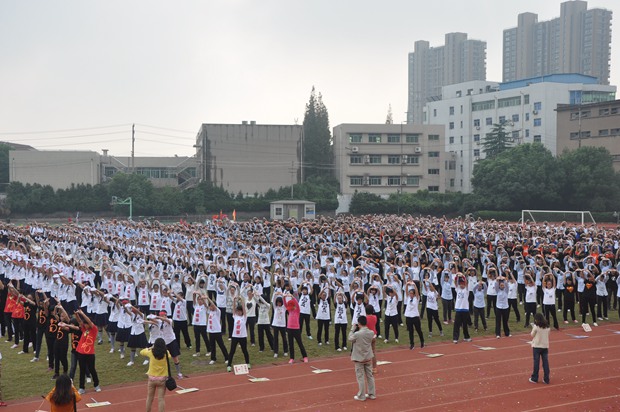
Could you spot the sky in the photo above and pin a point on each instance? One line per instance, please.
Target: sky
(76, 74)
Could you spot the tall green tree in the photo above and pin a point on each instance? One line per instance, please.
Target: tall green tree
(138, 187)
(4, 166)
(318, 158)
(497, 141)
(525, 177)
(589, 179)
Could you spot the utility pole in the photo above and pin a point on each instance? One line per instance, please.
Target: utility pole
(133, 142)
(293, 171)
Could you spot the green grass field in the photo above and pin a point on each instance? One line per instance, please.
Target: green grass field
(21, 378)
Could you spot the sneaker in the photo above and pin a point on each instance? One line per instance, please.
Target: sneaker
(560, 310)
(89, 380)
(146, 362)
(411, 347)
(532, 380)
(327, 342)
(275, 355)
(467, 340)
(81, 391)
(606, 318)
(285, 353)
(372, 397)
(385, 341)
(310, 337)
(249, 366)
(54, 377)
(344, 348)
(320, 344)
(212, 362)
(306, 359)
(253, 345)
(30, 345)
(595, 324)
(402, 324)
(130, 363)
(97, 388)
(21, 352)
(189, 347)
(576, 321)
(379, 336)
(228, 369)
(100, 342)
(396, 340)
(600, 318)
(422, 345)
(14, 346)
(497, 337)
(565, 321)
(197, 354)
(338, 350)
(455, 341)
(430, 335)
(112, 350)
(441, 333)
(122, 356)
(291, 361)
(445, 322)
(208, 354)
(546, 382)
(179, 376)
(35, 359)
(357, 398)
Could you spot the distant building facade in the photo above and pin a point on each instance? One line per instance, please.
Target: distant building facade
(248, 157)
(576, 42)
(62, 169)
(384, 159)
(431, 68)
(595, 124)
(527, 108)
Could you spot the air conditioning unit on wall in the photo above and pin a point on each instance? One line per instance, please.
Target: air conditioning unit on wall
(355, 149)
(418, 149)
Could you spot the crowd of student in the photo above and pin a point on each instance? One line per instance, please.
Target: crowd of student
(264, 282)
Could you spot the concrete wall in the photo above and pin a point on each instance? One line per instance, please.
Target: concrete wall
(59, 169)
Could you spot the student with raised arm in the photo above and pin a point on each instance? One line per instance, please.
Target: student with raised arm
(340, 321)
(214, 328)
(412, 314)
(199, 322)
(293, 329)
(391, 313)
(239, 333)
(86, 350)
(479, 304)
(502, 309)
(305, 307)
(432, 308)
(570, 291)
(549, 299)
(461, 306)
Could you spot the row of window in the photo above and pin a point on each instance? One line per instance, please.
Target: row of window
(390, 180)
(601, 133)
(153, 172)
(391, 138)
(588, 113)
(391, 159)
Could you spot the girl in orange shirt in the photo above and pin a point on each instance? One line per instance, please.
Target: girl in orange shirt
(64, 396)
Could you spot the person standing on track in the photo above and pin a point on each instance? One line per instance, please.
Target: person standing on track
(540, 347)
(361, 355)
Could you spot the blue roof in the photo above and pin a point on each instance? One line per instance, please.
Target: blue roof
(566, 78)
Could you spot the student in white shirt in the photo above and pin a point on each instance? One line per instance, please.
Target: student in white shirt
(239, 333)
(391, 313)
(199, 321)
(479, 304)
(340, 321)
(179, 318)
(549, 299)
(461, 306)
(305, 308)
(323, 317)
(264, 328)
(502, 309)
(432, 308)
(279, 324)
(214, 328)
(412, 314)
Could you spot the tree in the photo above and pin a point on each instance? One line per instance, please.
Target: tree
(138, 187)
(317, 158)
(4, 166)
(589, 179)
(525, 177)
(389, 119)
(496, 142)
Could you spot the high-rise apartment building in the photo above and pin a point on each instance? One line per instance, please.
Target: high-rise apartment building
(576, 42)
(431, 68)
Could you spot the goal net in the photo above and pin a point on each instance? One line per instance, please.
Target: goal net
(556, 216)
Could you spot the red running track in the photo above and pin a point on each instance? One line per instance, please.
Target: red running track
(584, 376)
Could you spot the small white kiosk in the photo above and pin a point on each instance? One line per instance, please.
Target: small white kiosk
(296, 209)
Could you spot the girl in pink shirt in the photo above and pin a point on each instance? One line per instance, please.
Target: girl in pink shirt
(293, 330)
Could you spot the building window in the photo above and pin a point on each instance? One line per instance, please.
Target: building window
(451, 125)
(433, 188)
(585, 134)
(393, 138)
(394, 159)
(515, 118)
(451, 109)
(433, 154)
(374, 180)
(502, 119)
(527, 132)
(476, 138)
(374, 159)
(603, 132)
(356, 180)
(527, 117)
(538, 121)
(537, 138)
(412, 138)
(433, 171)
(433, 137)
(413, 181)
(451, 165)
(451, 182)
(355, 138)
(509, 101)
(614, 132)
(515, 134)
(476, 122)
(393, 180)
(526, 99)
(489, 121)
(603, 112)
(537, 106)
(477, 152)
(434, 112)
(355, 159)
(278, 211)
(461, 124)
(574, 135)
(412, 160)
(451, 139)
(374, 138)
(614, 110)
(486, 105)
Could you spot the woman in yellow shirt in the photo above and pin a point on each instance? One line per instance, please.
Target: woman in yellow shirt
(157, 373)
(64, 395)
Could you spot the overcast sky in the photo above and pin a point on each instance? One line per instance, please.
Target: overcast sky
(99, 66)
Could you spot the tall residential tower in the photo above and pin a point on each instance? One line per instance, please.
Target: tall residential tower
(431, 68)
(579, 41)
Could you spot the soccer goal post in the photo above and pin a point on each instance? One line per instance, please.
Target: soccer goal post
(583, 216)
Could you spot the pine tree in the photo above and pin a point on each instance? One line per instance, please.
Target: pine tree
(496, 142)
(317, 140)
(389, 119)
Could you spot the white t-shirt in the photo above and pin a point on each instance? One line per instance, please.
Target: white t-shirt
(412, 310)
(548, 296)
(340, 316)
(279, 316)
(200, 315)
(239, 330)
(323, 312)
(304, 304)
(431, 300)
(214, 325)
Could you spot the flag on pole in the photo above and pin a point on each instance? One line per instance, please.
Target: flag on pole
(234, 215)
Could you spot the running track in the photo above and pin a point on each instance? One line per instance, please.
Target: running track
(584, 376)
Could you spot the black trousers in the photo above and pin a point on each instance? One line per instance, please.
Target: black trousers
(243, 342)
(479, 313)
(433, 315)
(60, 357)
(411, 324)
(87, 363)
(305, 319)
(180, 326)
(279, 331)
(461, 319)
(549, 310)
(340, 330)
(322, 325)
(264, 329)
(200, 331)
(512, 303)
(501, 319)
(217, 338)
(294, 336)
